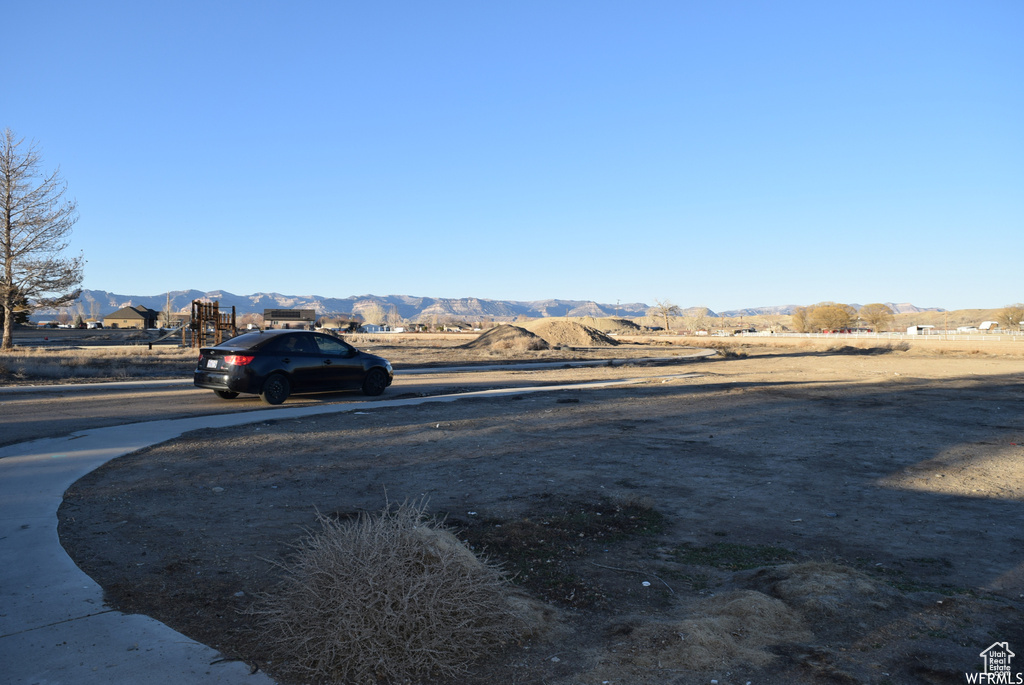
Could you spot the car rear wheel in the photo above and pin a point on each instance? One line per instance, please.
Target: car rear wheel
(275, 389)
(225, 394)
(375, 382)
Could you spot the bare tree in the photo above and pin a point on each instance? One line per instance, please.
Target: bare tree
(373, 313)
(774, 322)
(392, 317)
(698, 320)
(665, 309)
(1011, 316)
(166, 317)
(35, 225)
(254, 318)
(20, 311)
(876, 315)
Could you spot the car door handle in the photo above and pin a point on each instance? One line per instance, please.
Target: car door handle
(286, 360)
(327, 362)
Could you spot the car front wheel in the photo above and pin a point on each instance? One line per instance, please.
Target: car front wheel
(275, 389)
(375, 382)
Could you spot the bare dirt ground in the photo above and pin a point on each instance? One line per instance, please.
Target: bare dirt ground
(793, 515)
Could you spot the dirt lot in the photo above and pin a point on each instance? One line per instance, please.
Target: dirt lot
(792, 515)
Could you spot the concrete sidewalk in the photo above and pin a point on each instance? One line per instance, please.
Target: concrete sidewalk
(54, 627)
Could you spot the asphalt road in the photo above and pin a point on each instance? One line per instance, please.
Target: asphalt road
(47, 411)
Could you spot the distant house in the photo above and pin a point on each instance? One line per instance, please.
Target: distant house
(919, 330)
(989, 325)
(131, 317)
(178, 319)
(289, 318)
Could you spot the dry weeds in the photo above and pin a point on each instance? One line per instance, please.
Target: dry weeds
(23, 364)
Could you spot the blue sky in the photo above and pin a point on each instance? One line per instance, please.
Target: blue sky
(727, 154)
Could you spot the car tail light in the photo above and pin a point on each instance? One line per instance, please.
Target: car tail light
(238, 359)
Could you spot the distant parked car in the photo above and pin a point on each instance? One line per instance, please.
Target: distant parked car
(274, 364)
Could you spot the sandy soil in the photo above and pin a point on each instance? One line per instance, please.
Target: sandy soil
(868, 501)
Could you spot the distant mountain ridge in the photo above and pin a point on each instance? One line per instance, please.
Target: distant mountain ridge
(787, 309)
(409, 307)
(102, 302)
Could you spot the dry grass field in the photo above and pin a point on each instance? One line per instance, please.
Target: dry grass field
(798, 513)
(24, 366)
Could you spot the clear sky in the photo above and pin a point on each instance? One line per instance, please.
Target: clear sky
(728, 154)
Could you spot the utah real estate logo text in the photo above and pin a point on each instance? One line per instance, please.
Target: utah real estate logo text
(996, 658)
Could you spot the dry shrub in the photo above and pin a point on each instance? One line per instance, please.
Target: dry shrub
(867, 348)
(520, 346)
(370, 338)
(730, 629)
(389, 597)
(728, 349)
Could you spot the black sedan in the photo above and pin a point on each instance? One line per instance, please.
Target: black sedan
(273, 364)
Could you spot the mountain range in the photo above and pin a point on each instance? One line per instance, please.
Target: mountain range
(98, 303)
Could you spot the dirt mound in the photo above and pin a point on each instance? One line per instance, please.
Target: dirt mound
(506, 337)
(825, 589)
(738, 627)
(561, 332)
(611, 325)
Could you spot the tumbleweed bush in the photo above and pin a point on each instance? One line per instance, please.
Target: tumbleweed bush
(388, 597)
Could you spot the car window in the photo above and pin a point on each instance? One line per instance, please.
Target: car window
(332, 346)
(292, 344)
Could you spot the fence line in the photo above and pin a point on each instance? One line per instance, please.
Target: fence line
(921, 337)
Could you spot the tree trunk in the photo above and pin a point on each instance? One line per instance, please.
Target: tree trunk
(8, 341)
